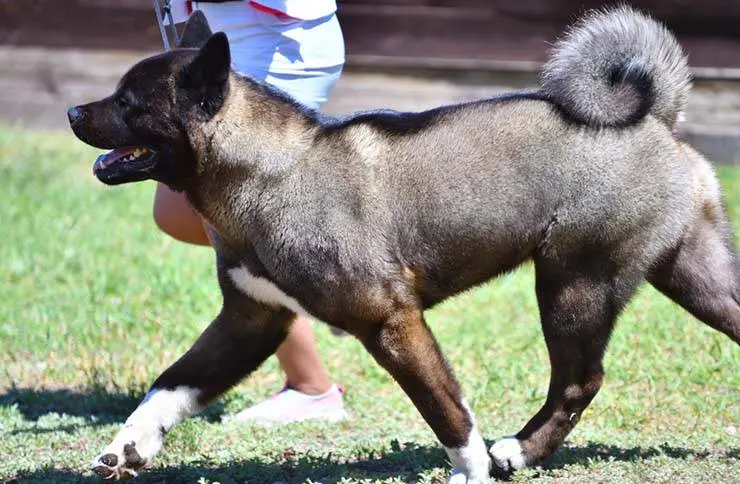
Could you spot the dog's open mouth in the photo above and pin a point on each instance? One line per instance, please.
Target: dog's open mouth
(124, 165)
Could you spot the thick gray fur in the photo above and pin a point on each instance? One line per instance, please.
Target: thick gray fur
(366, 221)
(614, 66)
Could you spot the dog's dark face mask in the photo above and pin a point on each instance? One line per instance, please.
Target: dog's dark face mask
(147, 119)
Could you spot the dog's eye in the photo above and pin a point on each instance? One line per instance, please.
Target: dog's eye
(123, 101)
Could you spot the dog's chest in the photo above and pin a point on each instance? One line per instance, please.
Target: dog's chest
(263, 290)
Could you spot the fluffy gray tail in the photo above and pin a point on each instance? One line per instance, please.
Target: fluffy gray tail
(614, 67)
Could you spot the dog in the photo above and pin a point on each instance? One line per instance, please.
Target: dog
(366, 221)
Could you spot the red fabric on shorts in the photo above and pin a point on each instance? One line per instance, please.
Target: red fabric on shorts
(256, 5)
(265, 9)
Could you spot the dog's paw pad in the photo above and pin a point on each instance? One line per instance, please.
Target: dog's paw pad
(110, 460)
(112, 467)
(105, 472)
(133, 459)
(508, 454)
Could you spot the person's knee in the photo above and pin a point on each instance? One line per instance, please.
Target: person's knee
(173, 215)
(164, 219)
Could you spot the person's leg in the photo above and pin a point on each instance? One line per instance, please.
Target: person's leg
(298, 355)
(308, 391)
(175, 217)
(300, 360)
(255, 38)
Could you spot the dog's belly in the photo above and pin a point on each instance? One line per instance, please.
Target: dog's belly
(263, 290)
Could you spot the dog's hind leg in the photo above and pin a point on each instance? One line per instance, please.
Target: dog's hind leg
(406, 348)
(243, 335)
(578, 308)
(703, 274)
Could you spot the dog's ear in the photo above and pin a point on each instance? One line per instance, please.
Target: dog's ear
(197, 31)
(209, 70)
(206, 76)
(212, 64)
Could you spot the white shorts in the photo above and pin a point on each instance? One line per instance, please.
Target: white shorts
(304, 58)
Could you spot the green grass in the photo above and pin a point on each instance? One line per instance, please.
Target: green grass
(96, 302)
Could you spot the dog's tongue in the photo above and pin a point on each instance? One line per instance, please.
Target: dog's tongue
(107, 159)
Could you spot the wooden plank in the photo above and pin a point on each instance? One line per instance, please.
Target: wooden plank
(506, 30)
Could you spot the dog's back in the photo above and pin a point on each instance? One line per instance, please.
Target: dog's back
(484, 186)
(589, 158)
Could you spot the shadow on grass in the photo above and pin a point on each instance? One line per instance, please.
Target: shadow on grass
(405, 462)
(595, 452)
(97, 406)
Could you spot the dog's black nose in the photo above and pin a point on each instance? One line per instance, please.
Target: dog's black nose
(75, 114)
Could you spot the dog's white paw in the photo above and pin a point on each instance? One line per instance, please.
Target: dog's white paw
(133, 448)
(458, 476)
(508, 454)
(471, 462)
(142, 436)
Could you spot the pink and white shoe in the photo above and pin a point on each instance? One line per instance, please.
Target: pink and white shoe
(288, 405)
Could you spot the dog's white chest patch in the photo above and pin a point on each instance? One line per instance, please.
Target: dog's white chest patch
(262, 290)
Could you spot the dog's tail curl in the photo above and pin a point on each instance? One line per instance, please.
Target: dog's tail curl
(616, 66)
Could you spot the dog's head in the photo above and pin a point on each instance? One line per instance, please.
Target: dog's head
(146, 121)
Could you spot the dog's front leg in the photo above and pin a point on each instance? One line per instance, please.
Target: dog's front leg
(243, 335)
(405, 347)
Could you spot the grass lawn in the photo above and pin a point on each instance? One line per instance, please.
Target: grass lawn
(96, 303)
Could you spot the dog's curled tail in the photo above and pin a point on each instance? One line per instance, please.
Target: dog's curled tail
(614, 67)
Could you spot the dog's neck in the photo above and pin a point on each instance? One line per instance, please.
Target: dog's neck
(254, 129)
(250, 144)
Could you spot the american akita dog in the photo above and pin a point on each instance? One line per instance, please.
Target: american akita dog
(367, 220)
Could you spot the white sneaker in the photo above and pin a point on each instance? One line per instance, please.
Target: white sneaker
(290, 405)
